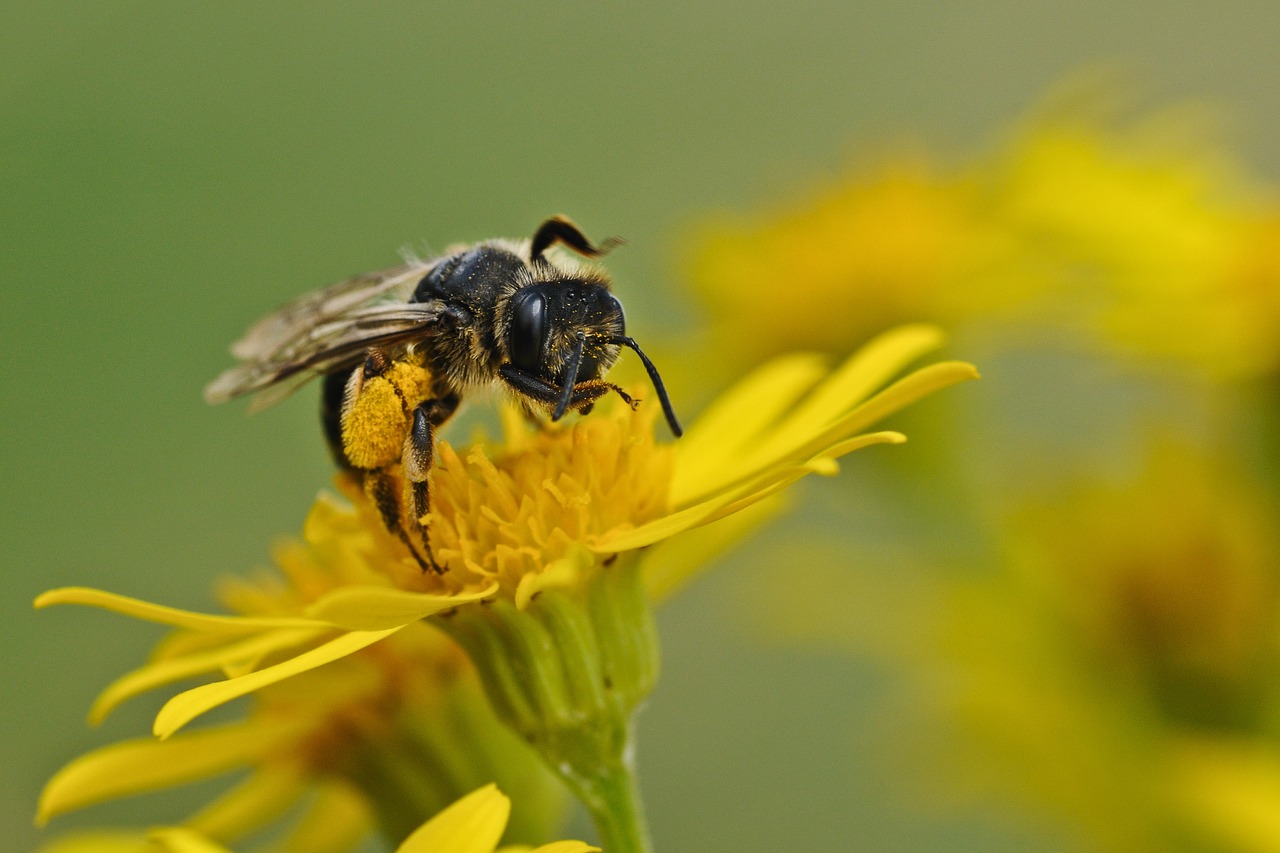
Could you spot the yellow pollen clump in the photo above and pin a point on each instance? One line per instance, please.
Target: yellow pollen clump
(373, 430)
(375, 426)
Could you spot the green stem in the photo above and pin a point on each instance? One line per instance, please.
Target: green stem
(612, 796)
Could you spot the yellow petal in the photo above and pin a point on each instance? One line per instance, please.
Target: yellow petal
(763, 416)
(702, 513)
(735, 419)
(473, 824)
(179, 840)
(173, 669)
(337, 821)
(906, 391)
(868, 369)
(135, 766)
(168, 615)
(795, 440)
(857, 443)
(567, 847)
(376, 608)
(184, 707)
(251, 805)
(899, 395)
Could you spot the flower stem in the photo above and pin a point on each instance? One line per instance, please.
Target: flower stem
(612, 796)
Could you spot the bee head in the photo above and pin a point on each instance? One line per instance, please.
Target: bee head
(564, 326)
(570, 330)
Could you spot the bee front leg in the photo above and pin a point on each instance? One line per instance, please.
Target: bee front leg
(417, 460)
(581, 399)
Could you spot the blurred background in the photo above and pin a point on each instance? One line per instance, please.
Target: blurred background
(998, 650)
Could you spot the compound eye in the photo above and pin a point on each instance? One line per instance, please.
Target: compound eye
(528, 330)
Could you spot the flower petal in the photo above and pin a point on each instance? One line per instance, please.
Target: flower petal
(376, 608)
(184, 707)
(135, 766)
(567, 847)
(473, 824)
(867, 370)
(736, 418)
(337, 821)
(627, 539)
(168, 615)
(907, 390)
(179, 840)
(808, 432)
(821, 441)
(169, 670)
(251, 805)
(768, 412)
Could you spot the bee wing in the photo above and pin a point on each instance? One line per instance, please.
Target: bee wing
(323, 331)
(306, 312)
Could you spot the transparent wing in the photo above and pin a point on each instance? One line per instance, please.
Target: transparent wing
(306, 312)
(324, 331)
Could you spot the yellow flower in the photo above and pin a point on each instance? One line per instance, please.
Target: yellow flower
(473, 824)
(544, 542)
(1128, 235)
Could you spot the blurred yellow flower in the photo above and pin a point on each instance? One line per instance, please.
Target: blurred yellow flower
(1126, 234)
(1115, 669)
(1123, 660)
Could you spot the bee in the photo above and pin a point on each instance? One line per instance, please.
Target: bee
(398, 350)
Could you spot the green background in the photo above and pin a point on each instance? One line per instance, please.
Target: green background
(169, 171)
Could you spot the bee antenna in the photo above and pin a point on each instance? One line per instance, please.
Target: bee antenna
(670, 413)
(570, 379)
(561, 229)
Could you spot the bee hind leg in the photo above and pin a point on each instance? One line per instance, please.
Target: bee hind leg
(369, 423)
(381, 487)
(417, 461)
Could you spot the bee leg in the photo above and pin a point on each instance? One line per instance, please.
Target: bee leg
(380, 486)
(585, 408)
(583, 394)
(560, 229)
(417, 461)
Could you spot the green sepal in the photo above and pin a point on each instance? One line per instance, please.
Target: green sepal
(566, 673)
